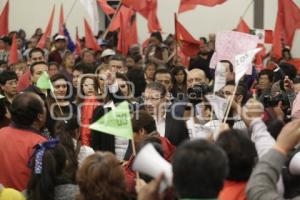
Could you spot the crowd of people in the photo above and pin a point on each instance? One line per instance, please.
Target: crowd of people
(48, 151)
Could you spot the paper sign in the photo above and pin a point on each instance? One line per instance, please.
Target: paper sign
(243, 62)
(219, 105)
(231, 43)
(220, 77)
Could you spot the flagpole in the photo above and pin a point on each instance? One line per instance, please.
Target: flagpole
(68, 15)
(230, 103)
(247, 8)
(115, 14)
(176, 45)
(61, 112)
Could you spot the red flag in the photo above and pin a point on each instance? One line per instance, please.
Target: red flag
(78, 45)
(13, 52)
(61, 21)
(48, 31)
(189, 45)
(128, 32)
(116, 21)
(186, 5)
(107, 9)
(288, 20)
(243, 27)
(268, 36)
(90, 40)
(4, 20)
(148, 9)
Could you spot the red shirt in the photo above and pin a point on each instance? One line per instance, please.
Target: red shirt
(16, 148)
(130, 175)
(233, 190)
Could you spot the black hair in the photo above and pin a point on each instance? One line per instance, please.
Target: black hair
(36, 63)
(36, 50)
(288, 70)
(175, 70)
(199, 169)
(41, 186)
(7, 75)
(66, 132)
(267, 72)
(159, 87)
(25, 108)
(143, 120)
(162, 71)
(118, 57)
(157, 35)
(241, 153)
(204, 39)
(136, 76)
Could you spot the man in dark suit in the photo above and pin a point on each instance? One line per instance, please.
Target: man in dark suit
(167, 118)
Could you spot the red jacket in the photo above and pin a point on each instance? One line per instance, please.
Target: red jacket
(16, 148)
(233, 190)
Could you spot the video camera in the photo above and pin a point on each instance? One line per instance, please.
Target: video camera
(197, 93)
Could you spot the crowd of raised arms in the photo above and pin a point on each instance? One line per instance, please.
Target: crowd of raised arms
(49, 152)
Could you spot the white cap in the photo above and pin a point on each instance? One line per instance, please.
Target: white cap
(108, 52)
(60, 37)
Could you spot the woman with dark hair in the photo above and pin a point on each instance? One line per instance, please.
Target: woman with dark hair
(127, 87)
(48, 180)
(87, 103)
(101, 177)
(69, 136)
(179, 78)
(149, 72)
(59, 103)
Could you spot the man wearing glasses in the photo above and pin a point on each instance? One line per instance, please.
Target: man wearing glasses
(156, 104)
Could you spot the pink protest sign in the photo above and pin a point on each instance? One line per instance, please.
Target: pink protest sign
(231, 43)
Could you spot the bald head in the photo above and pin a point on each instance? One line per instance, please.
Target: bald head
(196, 76)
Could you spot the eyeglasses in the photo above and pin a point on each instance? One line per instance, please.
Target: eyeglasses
(145, 98)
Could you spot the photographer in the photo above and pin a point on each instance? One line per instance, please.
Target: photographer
(276, 113)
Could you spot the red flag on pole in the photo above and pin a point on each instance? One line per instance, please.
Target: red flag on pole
(48, 31)
(148, 9)
(13, 52)
(288, 20)
(188, 44)
(4, 20)
(186, 5)
(107, 9)
(61, 21)
(243, 27)
(78, 45)
(90, 40)
(128, 32)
